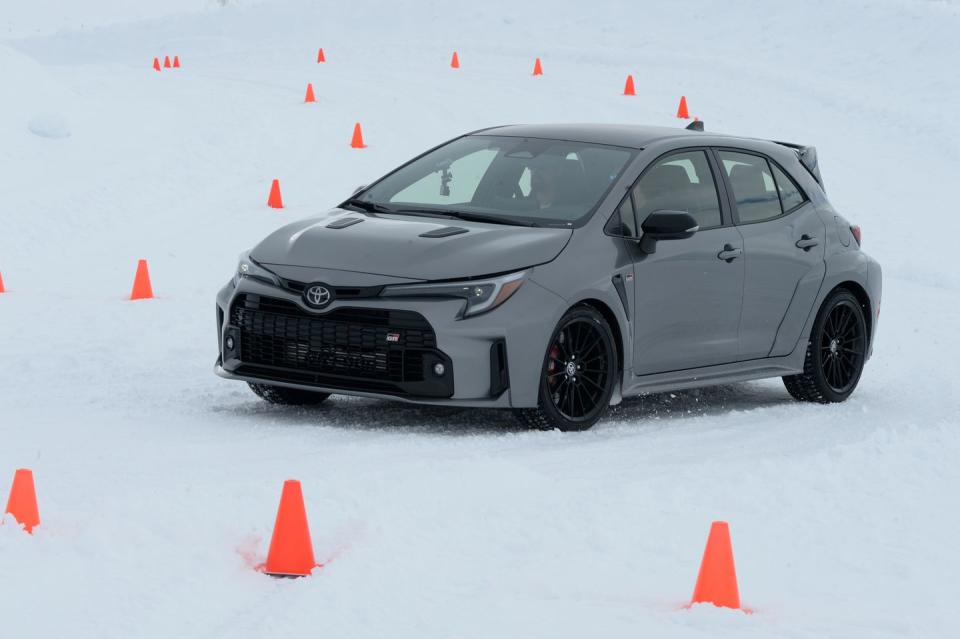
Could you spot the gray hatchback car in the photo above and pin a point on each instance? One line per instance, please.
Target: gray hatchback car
(555, 269)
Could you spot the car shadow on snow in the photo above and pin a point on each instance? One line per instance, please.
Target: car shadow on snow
(355, 413)
(709, 401)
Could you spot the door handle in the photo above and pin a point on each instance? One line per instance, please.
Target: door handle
(807, 242)
(729, 253)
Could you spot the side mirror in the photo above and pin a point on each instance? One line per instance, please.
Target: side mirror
(358, 189)
(666, 225)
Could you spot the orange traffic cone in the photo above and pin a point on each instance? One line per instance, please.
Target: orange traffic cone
(2, 290)
(320, 56)
(274, 201)
(717, 581)
(682, 109)
(357, 141)
(22, 503)
(291, 551)
(537, 67)
(166, 62)
(628, 87)
(141, 283)
(309, 96)
(176, 62)
(156, 64)
(455, 61)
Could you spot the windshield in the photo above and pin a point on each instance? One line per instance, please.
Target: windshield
(532, 180)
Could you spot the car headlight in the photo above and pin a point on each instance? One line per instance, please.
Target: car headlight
(248, 268)
(481, 296)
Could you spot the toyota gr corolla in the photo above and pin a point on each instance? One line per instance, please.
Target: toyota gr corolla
(553, 270)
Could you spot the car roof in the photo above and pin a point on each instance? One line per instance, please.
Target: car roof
(627, 135)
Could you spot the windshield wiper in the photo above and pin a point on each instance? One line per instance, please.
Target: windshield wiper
(493, 219)
(376, 207)
(450, 215)
(467, 217)
(373, 207)
(427, 212)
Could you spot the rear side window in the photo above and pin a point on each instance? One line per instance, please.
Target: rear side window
(790, 194)
(762, 189)
(679, 182)
(753, 186)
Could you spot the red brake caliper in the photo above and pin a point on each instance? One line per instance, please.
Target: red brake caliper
(552, 365)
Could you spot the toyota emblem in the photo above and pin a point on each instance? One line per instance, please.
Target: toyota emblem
(317, 296)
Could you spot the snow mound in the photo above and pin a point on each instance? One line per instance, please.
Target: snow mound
(49, 125)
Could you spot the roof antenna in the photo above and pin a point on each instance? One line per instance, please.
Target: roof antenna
(696, 125)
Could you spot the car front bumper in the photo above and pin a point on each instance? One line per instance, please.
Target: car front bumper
(490, 360)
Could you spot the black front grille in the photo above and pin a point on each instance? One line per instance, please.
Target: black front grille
(346, 347)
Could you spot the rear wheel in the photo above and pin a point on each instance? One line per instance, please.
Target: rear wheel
(578, 374)
(836, 352)
(287, 396)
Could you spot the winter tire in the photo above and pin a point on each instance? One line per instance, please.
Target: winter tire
(836, 352)
(578, 374)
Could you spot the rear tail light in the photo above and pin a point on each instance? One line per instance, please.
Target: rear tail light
(855, 229)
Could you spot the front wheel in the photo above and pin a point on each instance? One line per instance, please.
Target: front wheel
(287, 396)
(578, 374)
(836, 352)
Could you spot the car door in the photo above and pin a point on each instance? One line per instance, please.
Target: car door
(783, 245)
(688, 291)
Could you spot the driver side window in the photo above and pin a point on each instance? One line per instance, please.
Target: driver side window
(679, 182)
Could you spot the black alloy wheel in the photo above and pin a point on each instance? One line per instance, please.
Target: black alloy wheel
(836, 352)
(578, 375)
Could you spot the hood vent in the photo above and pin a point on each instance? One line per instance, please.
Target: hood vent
(444, 231)
(344, 222)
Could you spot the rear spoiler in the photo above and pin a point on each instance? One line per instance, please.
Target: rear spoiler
(808, 158)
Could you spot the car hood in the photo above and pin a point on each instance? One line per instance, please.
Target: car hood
(420, 248)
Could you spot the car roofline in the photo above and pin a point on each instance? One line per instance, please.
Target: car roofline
(483, 133)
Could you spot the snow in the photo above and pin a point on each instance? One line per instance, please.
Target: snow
(49, 125)
(158, 482)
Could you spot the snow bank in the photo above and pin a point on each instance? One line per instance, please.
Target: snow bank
(42, 17)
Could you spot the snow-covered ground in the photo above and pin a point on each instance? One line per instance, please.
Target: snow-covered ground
(158, 482)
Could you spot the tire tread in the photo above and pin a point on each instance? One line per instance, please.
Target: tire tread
(809, 386)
